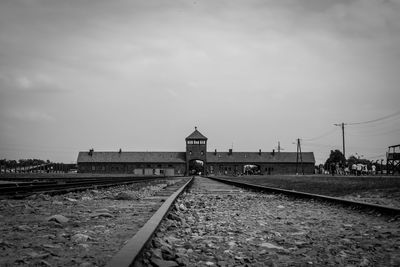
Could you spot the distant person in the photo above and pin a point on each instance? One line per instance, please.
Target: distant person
(354, 169)
(365, 170)
(359, 169)
(346, 171)
(373, 169)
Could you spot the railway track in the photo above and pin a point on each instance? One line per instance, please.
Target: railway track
(356, 204)
(24, 189)
(195, 222)
(80, 228)
(218, 224)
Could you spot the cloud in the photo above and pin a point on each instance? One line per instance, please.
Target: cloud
(173, 93)
(30, 116)
(254, 58)
(29, 81)
(36, 82)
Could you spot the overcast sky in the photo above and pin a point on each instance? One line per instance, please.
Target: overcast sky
(139, 75)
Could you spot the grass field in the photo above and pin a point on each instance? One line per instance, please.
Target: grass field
(327, 185)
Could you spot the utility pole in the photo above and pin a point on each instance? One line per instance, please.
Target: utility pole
(279, 148)
(344, 147)
(299, 156)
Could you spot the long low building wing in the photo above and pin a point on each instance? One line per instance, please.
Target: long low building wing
(131, 157)
(263, 157)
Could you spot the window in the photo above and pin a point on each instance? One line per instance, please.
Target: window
(170, 165)
(93, 168)
(202, 142)
(190, 142)
(103, 168)
(190, 152)
(196, 142)
(202, 153)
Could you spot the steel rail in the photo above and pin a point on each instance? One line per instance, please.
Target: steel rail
(366, 206)
(131, 251)
(24, 191)
(29, 185)
(22, 185)
(45, 177)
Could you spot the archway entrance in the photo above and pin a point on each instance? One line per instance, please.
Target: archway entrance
(196, 167)
(251, 169)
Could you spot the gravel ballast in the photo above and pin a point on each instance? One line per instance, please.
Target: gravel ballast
(214, 225)
(77, 229)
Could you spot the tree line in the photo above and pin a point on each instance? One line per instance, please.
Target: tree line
(337, 157)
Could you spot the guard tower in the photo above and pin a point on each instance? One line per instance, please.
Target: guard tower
(393, 159)
(196, 153)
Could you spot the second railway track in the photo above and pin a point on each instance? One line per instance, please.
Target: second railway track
(215, 224)
(80, 228)
(24, 189)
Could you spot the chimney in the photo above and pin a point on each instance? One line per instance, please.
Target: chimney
(230, 151)
(273, 152)
(120, 151)
(215, 152)
(91, 152)
(259, 152)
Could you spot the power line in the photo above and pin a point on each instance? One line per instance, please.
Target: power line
(374, 133)
(381, 123)
(376, 120)
(330, 146)
(361, 123)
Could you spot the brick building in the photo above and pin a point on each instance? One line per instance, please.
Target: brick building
(195, 159)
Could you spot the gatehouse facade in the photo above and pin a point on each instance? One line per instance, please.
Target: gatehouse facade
(195, 160)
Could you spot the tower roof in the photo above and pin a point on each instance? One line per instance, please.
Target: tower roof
(196, 135)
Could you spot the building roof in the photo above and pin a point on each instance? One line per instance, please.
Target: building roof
(255, 157)
(180, 157)
(132, 157)
(196, 135)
